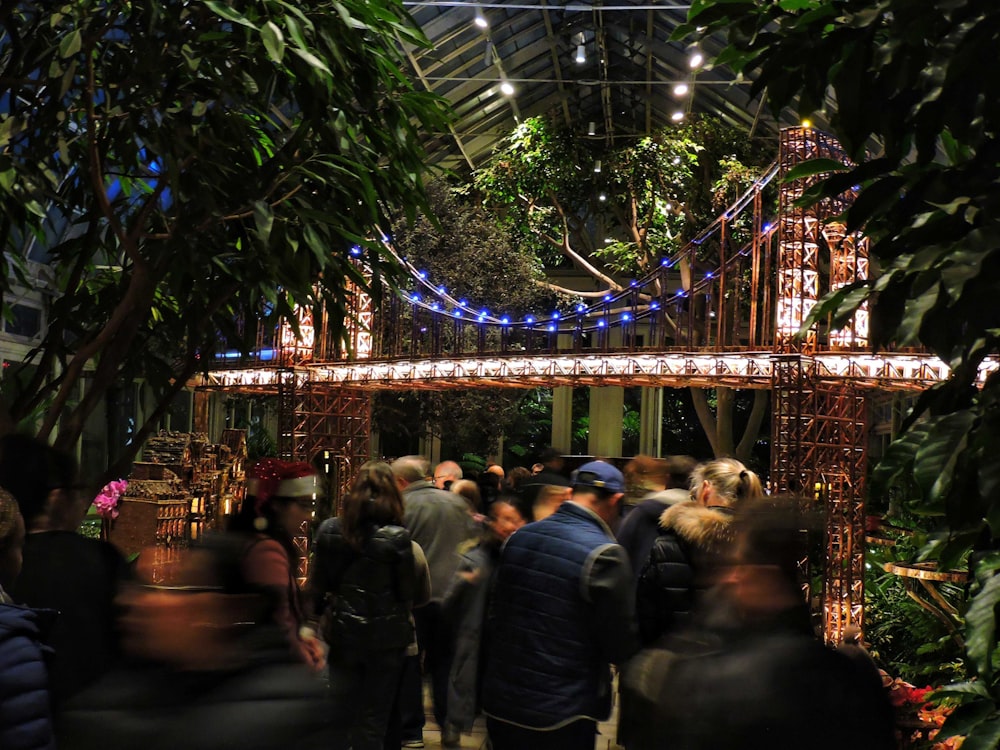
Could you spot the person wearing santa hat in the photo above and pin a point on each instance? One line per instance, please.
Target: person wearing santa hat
(281, 499)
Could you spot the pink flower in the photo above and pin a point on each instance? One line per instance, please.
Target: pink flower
(107, 500)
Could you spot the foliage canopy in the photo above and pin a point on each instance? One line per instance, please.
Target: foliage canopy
(188, 171)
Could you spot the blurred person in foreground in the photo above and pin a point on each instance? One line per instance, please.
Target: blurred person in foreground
(208, 668)
(25, 704)
(366, 577)
(62, 570)
(465, 604)
(280, 501)
(760, 677)
(562, 610)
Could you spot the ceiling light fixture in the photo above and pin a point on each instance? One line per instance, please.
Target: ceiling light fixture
(592, 129)
(677, 116)
(680, 89)
(696, 58)
(506, 88)
(597, 165)
(581, 55)
(480, 20)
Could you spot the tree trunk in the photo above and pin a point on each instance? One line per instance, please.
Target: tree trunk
(744, 450)
(718, 425)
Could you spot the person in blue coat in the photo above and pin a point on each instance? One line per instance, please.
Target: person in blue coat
(563, 609)
(25, 705)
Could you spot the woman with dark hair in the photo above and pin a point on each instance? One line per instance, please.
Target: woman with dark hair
(366, 576)
(281, 499)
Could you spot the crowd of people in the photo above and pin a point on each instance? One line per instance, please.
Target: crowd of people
(512, 595)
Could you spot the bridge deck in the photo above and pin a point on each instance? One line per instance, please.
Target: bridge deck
(890, 371)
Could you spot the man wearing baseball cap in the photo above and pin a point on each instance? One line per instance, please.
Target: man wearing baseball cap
(562, 610)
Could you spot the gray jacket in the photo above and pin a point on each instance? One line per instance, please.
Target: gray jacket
(465, 605)
(440, 523)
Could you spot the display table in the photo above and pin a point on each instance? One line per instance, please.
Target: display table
(921, 581)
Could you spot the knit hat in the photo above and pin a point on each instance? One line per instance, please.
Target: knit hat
(272, 477)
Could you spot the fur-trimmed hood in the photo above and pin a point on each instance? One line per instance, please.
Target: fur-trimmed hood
(698, 525)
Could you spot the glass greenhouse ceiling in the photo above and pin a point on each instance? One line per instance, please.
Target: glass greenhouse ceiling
(609, 71)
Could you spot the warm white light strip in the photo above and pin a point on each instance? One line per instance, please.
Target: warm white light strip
(746, 370)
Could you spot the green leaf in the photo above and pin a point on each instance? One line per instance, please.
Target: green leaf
(70, 44)
(815, 167)
(980, 620)
(935, 458)
(312, 60)
(964, 718)
(984, 736)
(274, 41)
(263, 219)
(228, 13)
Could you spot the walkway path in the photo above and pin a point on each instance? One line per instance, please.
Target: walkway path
(477, 739)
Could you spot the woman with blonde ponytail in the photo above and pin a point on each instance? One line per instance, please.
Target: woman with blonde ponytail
(685, 555)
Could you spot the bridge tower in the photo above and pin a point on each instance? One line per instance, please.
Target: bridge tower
(819, 428)
(322, 422)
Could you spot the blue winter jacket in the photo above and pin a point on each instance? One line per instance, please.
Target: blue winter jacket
(25, 706)
(562, 609)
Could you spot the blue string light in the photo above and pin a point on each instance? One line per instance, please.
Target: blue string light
(583, 310)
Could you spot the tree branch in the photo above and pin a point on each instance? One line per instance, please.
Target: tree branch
(97, 173)
(135, 295)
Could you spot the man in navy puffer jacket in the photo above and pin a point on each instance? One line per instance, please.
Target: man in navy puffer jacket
(563, 609)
